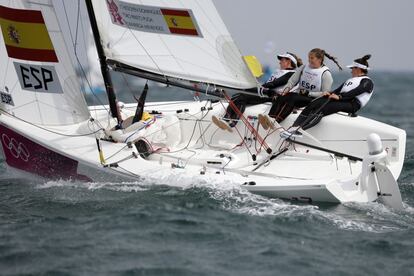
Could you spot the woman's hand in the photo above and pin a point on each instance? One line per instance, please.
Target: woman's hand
(326, 94)
(263, 90)
(286, 91)
(334, 97)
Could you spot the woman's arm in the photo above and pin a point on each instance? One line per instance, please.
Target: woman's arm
(279, 81)
(327, 81)
(338, 90)
(366, 86)
(294, 79)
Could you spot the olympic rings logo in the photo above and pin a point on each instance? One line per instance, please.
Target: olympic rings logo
(17, 149)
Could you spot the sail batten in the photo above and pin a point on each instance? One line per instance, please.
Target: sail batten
(179, 39)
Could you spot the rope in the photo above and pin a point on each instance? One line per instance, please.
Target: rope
(246, 122)
(243, 141)
(314, 115)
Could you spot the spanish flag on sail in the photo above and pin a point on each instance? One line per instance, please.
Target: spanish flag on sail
(179, 22)
(25, 35)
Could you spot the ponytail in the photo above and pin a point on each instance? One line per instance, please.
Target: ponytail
(363, 61)
(319, 53)
(334, 59)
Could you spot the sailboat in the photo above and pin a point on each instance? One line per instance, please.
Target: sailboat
(47, 129)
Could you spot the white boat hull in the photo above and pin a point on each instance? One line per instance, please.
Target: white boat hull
(299, 174)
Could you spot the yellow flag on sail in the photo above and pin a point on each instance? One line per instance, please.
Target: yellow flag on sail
(254, 65)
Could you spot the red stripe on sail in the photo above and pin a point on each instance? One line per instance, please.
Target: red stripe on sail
(32, 54)
(184, 31)
(175, 12)
(25, 16)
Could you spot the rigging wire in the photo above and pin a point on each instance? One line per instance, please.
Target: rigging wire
(202, 132)
(129, 89)
(192, 133)
(49, 130)
(197, 124)
(242, 138)
(75, 43)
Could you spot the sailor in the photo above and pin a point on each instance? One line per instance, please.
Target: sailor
(273, 87)
(349, 97)
(288, 63)
(312, 79)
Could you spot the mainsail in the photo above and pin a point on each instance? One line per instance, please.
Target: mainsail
(39, 82)
(46, 49)
(183, 39)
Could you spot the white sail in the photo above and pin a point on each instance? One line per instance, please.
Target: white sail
(75, 15)
(39, 82)
(184, 39)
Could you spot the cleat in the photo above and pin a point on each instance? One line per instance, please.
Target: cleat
(285, 134)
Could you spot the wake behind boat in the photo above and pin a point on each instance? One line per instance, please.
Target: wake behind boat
(47, 128)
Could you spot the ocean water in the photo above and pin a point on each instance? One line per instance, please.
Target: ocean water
(178, 226)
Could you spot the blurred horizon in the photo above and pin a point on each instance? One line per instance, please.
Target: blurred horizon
(345, 29)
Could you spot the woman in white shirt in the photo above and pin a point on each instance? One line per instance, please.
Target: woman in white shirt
(310, 81)
(349, 97)
(273, 87)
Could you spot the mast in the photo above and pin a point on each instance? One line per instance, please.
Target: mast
(102, 60)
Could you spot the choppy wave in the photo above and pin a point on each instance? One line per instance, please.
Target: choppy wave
(372, 217)
(120, 187)
(178, 225)
(233, 198)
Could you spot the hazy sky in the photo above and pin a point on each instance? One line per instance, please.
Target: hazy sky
(346, 29)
